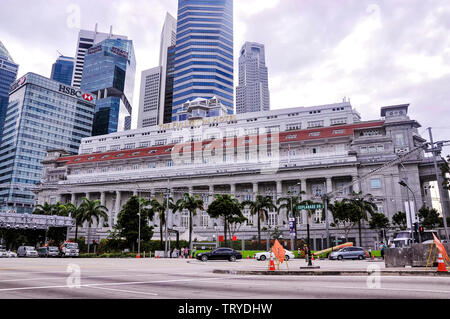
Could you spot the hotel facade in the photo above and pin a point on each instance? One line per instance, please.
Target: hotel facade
(319, 150)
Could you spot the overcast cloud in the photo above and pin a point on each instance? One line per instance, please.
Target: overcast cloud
(377, 53)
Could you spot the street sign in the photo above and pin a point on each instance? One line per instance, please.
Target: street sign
(221, 239)
(234, 238)
(310, 207)
(292, 226)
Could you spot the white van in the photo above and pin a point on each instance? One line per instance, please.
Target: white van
(27, 251)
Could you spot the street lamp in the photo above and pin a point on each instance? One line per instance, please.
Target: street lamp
(402, 183)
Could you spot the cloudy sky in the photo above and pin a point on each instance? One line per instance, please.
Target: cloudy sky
(377, 53)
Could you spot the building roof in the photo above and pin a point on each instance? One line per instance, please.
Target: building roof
(4, 53)
(284, 137)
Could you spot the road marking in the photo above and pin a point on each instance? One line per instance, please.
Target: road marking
(126, 291)
(110, 284)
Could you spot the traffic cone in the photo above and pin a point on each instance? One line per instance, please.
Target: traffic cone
(272, 264)
(157, 256)
(441, 265)
(138, 256)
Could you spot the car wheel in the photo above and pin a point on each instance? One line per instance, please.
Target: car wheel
(360, 257)
(232, 259)
(204, 258)
(262, 258)
(340, 257)
(286, 258)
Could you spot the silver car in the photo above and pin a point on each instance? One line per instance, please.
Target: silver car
(27, 251)
(349, 253)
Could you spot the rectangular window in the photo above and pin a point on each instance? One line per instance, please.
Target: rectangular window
(273, 219)
(313, 124)
(375, 183)
(399, 140)
(364, 150)
(314, 134)
(339, 121)
(294, 127)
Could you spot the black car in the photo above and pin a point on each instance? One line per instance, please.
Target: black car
(220, 254)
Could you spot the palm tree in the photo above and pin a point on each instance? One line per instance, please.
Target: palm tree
(92, 210)
(46, 209)
(260, 207)
(160, 208)
(191, 203)
(359, 206)
(290, 204)
(341, 213)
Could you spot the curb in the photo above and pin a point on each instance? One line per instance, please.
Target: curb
(332, 273)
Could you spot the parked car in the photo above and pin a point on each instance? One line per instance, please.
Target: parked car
(50, 251)
(349, 253)
(3, 253)
(266, 255)
(220, 254)
(27, 251)
(11, 254)
(69, 249)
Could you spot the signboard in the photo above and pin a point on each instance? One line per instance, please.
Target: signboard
(18, 83)
(119, 52)
(413, 214)
(310, 207)
(221, 239)
(95, 49)
(234, 238)
(292, 226)
(72, 92)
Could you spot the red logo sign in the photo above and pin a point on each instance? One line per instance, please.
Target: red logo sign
(22, 80)
(87, 97)
(221, 239)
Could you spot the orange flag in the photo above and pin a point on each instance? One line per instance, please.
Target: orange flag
(440, 247)
(278, 251)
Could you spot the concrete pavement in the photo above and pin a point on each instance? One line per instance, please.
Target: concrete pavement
(189, 279)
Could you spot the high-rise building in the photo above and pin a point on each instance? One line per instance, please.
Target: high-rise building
(109, 74)
(8, 74)
(252, 94)
(155, 104)
(42, 115)
(203, 54)
(62, 70)
(150, 97)
(86, 40)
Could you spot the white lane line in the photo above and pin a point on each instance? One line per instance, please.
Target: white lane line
(126, 291)
(110, 284)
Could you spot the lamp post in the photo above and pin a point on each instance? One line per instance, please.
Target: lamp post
(402, 183)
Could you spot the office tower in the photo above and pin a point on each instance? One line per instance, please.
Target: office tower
(8, 74)
(203, 54)
(86, 40)
(252, 94)
(109, 73)
(127, 123)
(150, 97)
(166, 61)
(42, 115)
(62, 70)
(155, 104)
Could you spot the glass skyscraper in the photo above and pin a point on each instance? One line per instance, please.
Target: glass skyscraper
(203, 54)
(62, 70)
(42, 115)
(109, 72)
(8, 74)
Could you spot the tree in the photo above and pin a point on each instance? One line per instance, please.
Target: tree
(57, 234)
(228, 208)
(342, 215)
(161, 209)
(128, 222)
(260, 207)
(360, 206)
(191, 204)
(399, 220)
(92, 209)
(381, 223)
(290, 204)
(429, 218)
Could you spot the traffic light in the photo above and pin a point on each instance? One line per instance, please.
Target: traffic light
(421, 230)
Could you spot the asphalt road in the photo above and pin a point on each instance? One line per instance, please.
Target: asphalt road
(182, 279)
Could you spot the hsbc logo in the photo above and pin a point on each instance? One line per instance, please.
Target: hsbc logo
(87, 97)
(72, 92)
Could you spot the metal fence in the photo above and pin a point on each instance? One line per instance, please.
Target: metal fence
(27, 221)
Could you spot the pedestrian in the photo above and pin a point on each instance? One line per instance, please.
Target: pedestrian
(193, 252)
(370, 253)
(182, 252)
(299, 252)
(383, 247)
(186, 252)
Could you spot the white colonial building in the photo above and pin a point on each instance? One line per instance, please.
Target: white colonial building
(319, 150)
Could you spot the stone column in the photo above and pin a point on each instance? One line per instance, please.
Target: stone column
(356, 186)
(73, 199)
(279, 189)
(103, 203)
(304, 197)
(255, 189)
(117, 208)
(233, 189)
(329, 185)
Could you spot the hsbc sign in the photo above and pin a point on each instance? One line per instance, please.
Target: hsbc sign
(72, 92)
